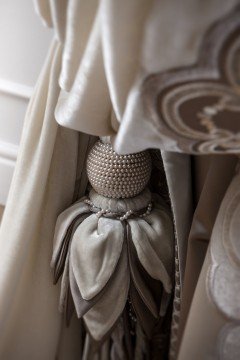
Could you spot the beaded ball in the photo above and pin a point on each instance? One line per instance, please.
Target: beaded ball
(117, 176)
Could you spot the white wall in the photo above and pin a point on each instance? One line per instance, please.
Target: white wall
(24, 43)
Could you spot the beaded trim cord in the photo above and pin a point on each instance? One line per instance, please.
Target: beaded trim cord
(117, 215)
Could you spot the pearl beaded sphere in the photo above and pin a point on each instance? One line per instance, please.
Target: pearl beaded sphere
(117, 176)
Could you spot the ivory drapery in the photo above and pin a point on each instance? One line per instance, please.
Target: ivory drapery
(92, 82)
(30, 324)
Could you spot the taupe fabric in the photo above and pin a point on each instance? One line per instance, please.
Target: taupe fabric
(215, 185)
(215, 301)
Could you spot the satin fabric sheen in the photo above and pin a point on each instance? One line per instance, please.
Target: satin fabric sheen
(106, 58)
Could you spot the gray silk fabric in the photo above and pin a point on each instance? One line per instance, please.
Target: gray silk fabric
(100, 259)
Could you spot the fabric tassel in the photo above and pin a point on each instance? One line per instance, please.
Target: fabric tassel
(115, 248)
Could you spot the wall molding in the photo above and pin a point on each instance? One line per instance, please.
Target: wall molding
(8, 157)
(8, 151)
(15, 89)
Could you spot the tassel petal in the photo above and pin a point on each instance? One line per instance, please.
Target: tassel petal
(153, 239)
(58, 262)
(137, 276)
(104, 315)
(95, 251)
(64, 224)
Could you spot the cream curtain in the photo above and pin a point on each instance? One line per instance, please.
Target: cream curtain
(92, 83)
(29, 320)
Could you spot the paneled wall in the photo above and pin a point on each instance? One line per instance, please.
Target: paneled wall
(24, 43)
